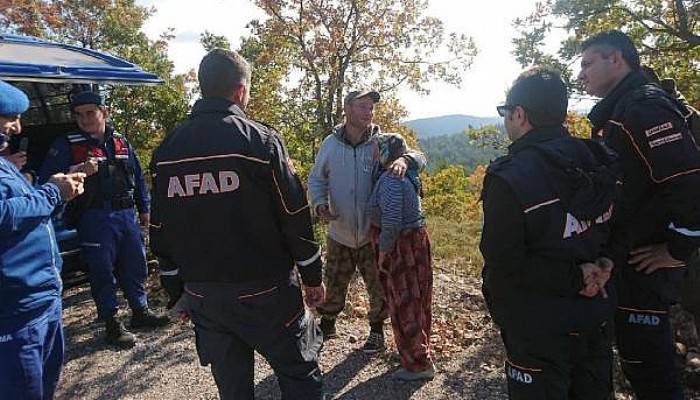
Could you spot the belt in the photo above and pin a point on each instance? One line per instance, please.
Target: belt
(117, 204)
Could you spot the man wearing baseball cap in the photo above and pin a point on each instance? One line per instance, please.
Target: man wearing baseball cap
(111, 240)
(31, 332)
(546, 206)
(340, 184)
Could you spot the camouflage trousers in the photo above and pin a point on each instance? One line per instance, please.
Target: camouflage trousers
(341, 262)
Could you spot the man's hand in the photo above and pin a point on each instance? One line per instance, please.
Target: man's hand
(595, 276)
(399, 167)
(602, 274)
(178, 311)
(590, 284)
(29, 177)
(70, 185)
(180, 316)
(605, 267)
(315, 295)
(145, 219)
(652, 258)
(19, 159)
(325, 214)
(88, 167)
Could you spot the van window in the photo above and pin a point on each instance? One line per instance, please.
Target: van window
(48, 103)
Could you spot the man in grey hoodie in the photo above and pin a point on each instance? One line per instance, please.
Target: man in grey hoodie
(340, 184)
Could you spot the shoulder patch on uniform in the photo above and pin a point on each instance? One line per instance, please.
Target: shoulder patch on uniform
(659, 128)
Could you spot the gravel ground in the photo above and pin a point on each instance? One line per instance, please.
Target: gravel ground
(164, 364)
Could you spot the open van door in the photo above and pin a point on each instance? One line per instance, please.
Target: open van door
(48, 72)
(29, 59)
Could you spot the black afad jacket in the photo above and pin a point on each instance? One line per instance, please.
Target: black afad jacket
(547, 206)
(227, 205)
(645, 126)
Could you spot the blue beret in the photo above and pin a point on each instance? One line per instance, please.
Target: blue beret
(82, 98)
(12, 100)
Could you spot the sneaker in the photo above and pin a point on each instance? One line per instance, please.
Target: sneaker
(328, 329)
(374, 343)
(403, 374)
(146, 318)
(117, 335)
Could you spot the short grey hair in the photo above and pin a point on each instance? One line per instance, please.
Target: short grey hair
(221, 71)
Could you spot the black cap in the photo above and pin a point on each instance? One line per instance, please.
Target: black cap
(358, 94)
(82, 98)
(543, 95)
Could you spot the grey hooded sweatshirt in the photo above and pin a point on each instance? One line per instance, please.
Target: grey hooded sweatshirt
(342, 178)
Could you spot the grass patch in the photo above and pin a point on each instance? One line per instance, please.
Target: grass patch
(456, 242)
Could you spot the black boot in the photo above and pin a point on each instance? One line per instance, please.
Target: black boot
(375, 340)
(327, 326)
(145, 318)
(117, 335)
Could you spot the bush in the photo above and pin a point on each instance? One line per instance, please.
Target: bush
(454, 214)
(452, 194)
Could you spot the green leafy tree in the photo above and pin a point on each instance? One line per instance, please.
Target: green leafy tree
(453, 194)
(488, 136)
(308, 54)
(388, 115)
(211, 41)
(578, 125)
(333, 45)
(274, 102)
(667, 33)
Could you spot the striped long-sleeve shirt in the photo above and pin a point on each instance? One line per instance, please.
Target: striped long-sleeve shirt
(394, 206)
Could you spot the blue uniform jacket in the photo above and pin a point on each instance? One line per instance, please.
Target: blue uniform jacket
(30, 263)
(59, 159)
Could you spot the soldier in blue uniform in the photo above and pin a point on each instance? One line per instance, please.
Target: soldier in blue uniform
(104, 216)
(31, 332)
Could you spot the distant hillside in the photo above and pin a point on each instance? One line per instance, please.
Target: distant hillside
(448, 124)
(458, 149)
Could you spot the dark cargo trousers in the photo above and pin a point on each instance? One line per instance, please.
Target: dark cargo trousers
(231, 321)
(577, 366)
(341, 263)
(643, 332)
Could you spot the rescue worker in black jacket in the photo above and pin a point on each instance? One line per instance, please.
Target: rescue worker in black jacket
(229, 210)
(656, 227)
(547, 204)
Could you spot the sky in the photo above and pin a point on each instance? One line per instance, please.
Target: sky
(483, 86)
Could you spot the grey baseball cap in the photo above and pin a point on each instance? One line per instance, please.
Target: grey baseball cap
(358, 94)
